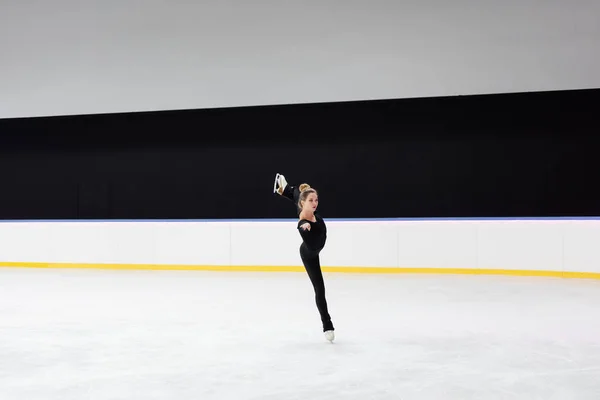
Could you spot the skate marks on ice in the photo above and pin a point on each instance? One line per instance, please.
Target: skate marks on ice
(157, 335)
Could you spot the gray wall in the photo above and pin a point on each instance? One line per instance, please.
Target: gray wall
(78, 57)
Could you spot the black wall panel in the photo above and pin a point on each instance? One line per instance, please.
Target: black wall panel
(533, 154)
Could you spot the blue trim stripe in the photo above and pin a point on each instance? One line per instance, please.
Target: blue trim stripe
(327, 219)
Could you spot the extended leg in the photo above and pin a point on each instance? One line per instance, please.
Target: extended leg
(290, 192)
(313, 268)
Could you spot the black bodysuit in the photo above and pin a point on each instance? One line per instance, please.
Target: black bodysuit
(313, 242)
(317, 236)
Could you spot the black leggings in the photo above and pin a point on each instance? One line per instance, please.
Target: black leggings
(312, 264)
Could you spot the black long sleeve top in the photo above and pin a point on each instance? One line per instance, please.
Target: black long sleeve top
(317, 236)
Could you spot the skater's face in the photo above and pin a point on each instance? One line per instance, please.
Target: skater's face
(312, 202)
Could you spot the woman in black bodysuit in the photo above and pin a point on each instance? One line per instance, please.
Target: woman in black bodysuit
(313, 231)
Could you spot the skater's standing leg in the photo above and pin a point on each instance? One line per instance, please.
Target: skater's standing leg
(313, 268)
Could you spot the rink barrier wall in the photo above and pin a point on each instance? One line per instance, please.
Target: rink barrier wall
(550, 247)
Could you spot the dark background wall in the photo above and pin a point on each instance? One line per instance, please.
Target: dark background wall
(533, 154)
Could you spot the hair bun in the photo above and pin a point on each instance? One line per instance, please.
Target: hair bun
(304, 187)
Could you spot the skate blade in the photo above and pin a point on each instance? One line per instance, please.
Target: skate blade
(275, 183)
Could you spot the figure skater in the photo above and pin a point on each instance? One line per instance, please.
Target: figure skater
(314, 234)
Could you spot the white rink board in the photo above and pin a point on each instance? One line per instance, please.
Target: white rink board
(540, 245)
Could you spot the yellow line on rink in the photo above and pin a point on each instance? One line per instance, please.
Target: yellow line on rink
(262, 268)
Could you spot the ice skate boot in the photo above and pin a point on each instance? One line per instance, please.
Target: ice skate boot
(329, 335)
(279, 184)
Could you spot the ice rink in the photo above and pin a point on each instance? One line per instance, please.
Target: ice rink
(102, 334)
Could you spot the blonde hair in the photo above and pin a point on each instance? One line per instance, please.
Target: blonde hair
(304, 187)
(305, 190)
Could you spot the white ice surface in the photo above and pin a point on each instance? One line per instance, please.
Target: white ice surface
(84, 334)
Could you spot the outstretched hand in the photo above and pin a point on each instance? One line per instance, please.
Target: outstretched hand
(305, 226)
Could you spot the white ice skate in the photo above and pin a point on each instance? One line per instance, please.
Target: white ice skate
(329, 335)
(279, 184)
